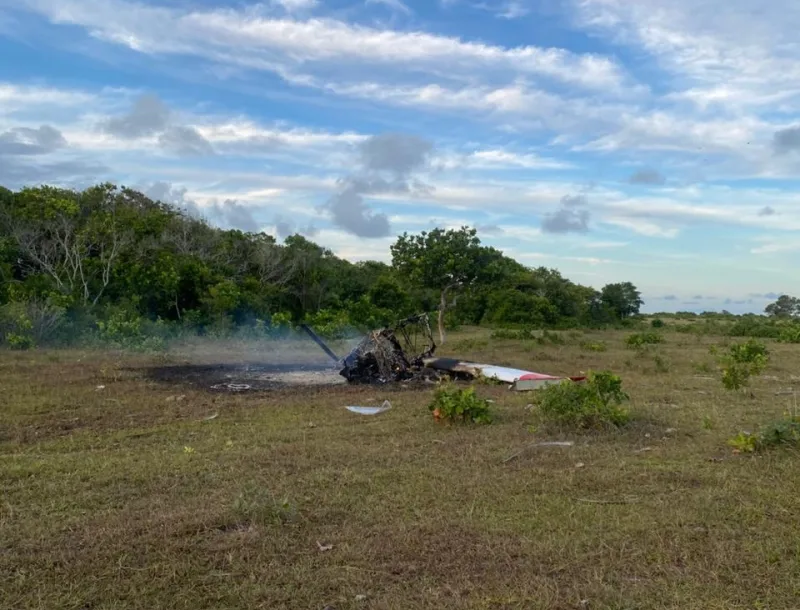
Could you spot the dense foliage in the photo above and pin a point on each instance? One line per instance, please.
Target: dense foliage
(452, 404)
(595, 403)
(111, 262)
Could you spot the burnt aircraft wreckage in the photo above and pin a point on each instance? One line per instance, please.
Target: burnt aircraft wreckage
(393, 353)
(404, 352)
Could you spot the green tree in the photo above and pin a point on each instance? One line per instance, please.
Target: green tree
(784, 307)
(623, 298)
(447, 261)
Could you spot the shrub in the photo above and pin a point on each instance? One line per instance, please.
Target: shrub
(595, 346)
(639, 340)
(462, 405)
(753, 327)
(657, 323)
(751, 352)
(790, 334)
(16, 327)
(662, 365)
(742, 361)
(594, 403)
(122, 328)
(19, 342)
(784, 432)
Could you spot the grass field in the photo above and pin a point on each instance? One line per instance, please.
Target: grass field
(131, 497)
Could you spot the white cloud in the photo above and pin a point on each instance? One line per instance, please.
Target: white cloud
(344, 245)
(15, 97)
(513, 9)
(252, 38)
(734, 52)
(643, 227)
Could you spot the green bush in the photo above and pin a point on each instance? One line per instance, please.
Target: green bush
(742, 361)
(121, 328)
(790, 334)
(751, 352)
(595, 403)
(754, 327)
(16, 327)
(451, 404)
(19, 342)
(657, 323)
(784, 432)
(639, 340)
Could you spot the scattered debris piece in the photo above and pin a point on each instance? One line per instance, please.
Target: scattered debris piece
(371, 410)
(537, 381)
(100, 387)
(176, 398)
(538, 444)
(361, 597)
(520, 380)
(232, 387)
(324, 547)
(643, 450)
(211, 417)
(670, 431)
(580, 465)
(316, 338)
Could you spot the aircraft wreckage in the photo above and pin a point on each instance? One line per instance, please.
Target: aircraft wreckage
(405, 352)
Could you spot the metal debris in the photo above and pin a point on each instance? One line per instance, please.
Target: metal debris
(538, 444)
(371, 410)
(391, 354)
(232, 387)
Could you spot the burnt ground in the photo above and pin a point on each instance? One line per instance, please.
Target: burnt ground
(246, 377)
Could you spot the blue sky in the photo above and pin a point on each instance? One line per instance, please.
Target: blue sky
(650, 141)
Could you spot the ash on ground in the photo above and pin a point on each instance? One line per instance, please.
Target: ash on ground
(249, 377)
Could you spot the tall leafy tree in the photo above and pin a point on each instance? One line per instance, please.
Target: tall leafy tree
(784, 307)
(623, 298)
(447, 261)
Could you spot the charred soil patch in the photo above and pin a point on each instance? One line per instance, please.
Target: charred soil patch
(246, 377)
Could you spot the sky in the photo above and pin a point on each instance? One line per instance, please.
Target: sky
(615, 140)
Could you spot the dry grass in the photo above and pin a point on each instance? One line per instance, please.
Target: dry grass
(123, 498)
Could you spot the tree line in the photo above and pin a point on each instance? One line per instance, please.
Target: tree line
(86, 260)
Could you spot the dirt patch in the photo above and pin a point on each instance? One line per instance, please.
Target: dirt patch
(247, 377)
